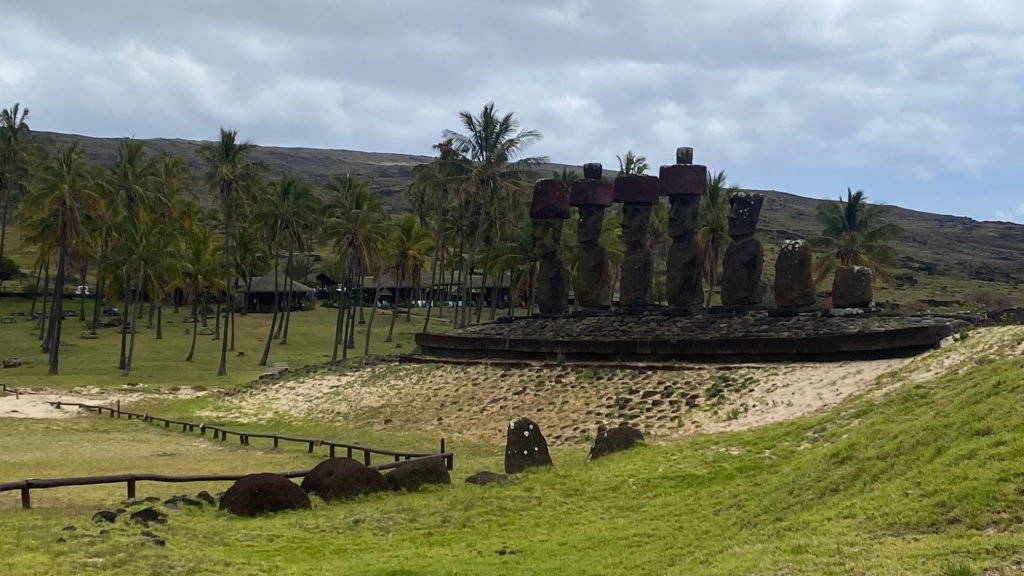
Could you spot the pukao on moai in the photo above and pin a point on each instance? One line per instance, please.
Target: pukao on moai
(550, 209)
(637, 193)
(592, 196)
(684, 183)
(744, 258)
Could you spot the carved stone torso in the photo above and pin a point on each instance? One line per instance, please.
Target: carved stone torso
(741, 272)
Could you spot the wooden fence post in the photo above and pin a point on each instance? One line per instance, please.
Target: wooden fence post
(26, 499)
(366, 457)
(332, 450)
(119, 409)
(131, 488)
(275, 441)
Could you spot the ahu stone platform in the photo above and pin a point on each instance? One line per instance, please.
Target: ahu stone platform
(660, 334)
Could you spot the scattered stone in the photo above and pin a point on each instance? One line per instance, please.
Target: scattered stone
(264, 492)
(152, 538)
(206, 497)
(151, 500)
(413, 474)
(622, 437)
(12, 362)
(148, 514)
(484, 477)
(525, 446)
(339, 478)
(104, 516)
(69, 528)
(178, 501)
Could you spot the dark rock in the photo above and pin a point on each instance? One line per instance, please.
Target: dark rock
(852, 287)
(69, 528)
(151, 500)
(104, 516)
(485, 477)
(264, 492)
(178, 501)
(152, 538)
(149, 514)
(338, 478)
(794, 282)
(622, 437)
(525, 446)
(413, 474)
(206, 497)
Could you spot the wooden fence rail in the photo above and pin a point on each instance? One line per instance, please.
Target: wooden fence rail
(244, 438)
(132, 479)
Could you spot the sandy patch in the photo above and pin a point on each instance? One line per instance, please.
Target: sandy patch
(570, 403)
(36, 403)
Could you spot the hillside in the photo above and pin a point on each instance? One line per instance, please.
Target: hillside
(945, 260)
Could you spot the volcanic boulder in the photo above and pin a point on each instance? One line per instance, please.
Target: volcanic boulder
(264, 492)
(413, 474)
(339, 478)
(622, 437)
(852, 287)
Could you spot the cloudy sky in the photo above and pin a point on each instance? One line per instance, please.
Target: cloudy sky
(918, 102)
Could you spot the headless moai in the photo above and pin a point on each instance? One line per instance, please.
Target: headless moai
(794, 283)
(592, 196)
(853, 287)
(637, 193)
(550, 209)
(684, 183)
(744, 258)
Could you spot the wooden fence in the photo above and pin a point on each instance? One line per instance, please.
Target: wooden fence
(132, 479)
(396, 457)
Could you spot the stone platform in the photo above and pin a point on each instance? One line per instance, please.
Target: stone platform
(663, 334)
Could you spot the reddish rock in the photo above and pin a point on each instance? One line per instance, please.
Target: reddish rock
(258, 493)
(339, 478)
(549, 200)
(636, 189)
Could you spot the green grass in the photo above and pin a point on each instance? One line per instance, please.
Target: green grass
(927, 480)
(160, 364)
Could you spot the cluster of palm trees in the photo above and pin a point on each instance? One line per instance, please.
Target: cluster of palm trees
(143, 231)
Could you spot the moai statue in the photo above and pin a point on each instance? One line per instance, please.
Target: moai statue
(852, 287)
(684, 183)
(592, 196)
(637, 193)
(744, 258)
(550, 208)
(794, 285)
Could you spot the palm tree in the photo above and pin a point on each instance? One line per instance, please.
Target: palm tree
(229, 172)
(288, 213)
(632, 164)
(200, 272)
(355, 227)
(713, 227)
(66, 188)
(491, 145)
(14, 133)
(855, 234)
(408, 249)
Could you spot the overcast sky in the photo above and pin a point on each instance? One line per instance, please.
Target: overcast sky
(918, 102)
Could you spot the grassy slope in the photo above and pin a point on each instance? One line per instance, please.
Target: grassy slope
(931, 474)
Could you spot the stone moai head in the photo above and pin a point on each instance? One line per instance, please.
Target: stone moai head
(550, 207)
(744, 211)
(637, 193)
(591, 195)
(684, 183)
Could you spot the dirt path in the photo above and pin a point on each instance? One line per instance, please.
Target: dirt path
(36, 403)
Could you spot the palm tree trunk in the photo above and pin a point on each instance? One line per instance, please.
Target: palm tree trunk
(458, 308)
(3, 222)
(58, 313)
(81, 297)
(195, 320)
(290, 284)
(216, 323)
(222, 369)
(35, 293)
(135, 325)
(98, 299)
(46, 292)
(339, 322)
(273, 317)
(478, 237)
(394, 304)
(125, 317)
(152, 313)
(160, 321)
(495, 294)
(483, 296)
(373, 312)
